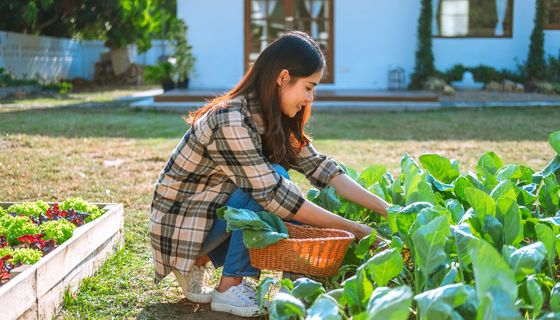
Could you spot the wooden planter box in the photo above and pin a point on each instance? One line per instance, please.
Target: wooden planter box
(37, 293)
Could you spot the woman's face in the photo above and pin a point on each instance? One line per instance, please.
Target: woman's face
(295, 95)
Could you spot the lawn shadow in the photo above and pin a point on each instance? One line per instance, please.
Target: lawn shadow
(117, 120)
(184, 310)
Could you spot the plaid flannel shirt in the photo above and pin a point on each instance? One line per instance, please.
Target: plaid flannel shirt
(221, 152)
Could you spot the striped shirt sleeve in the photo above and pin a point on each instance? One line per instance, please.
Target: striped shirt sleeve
(318, 168)
(235, 152)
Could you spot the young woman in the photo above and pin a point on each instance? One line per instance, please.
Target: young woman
(236, 153)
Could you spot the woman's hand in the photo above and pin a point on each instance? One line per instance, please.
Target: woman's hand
(351, 190)
(360, 231)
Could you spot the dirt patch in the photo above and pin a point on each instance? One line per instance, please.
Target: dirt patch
(184, 310)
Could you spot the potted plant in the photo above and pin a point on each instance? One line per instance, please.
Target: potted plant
(184, 58)
(162, 73)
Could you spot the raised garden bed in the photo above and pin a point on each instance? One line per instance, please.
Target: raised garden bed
(38, 291)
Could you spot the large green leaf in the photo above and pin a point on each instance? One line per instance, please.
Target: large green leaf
(429, 244)
(328, 199)
(549, 195)
(440, 303)
(365, 244)
(490, 161)
(493, 231)
(546, 236)
(516, 173)
(262, 291)
(285, 306)
(440, 186)
(496, 304)
(554, 140)
(415, 186)
(307, 289)
(324, 308)
(525, 260)
(555, 298)
(505, 189)
(428, 214)
(552, 167)
(463, 236)
(439, 167)
(526, 195)
(461, 184)
(389, 303)
(481, 202)
(384, 266)
(491, 272)
(535, 295)
(406, 216)
(260, 229)
(511, 217)
(371, 175)
(488, 179)
(357, 290)
(456, 209)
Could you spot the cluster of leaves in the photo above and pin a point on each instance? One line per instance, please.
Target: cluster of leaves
(482, 73)
(8, 80)
(119, 22)
(30, 230)
(482, 244)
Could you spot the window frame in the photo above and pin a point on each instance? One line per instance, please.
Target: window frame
(435, 11)
(289, 25)
(551, 26)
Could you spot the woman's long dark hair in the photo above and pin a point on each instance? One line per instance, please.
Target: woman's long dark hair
(284, 136)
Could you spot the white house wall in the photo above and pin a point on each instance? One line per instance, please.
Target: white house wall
(370, 37)
(215, 31)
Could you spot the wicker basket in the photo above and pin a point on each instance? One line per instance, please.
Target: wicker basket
(308, 250)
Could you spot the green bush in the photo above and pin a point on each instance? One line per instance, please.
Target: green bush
(482, 73)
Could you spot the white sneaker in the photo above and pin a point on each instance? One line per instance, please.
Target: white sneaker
(239, 300)
(194, 285)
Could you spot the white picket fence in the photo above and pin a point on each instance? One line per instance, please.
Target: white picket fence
(50, 59)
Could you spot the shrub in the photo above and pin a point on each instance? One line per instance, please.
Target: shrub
(482, 73)
(424, 67)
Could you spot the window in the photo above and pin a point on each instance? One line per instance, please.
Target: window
(552, 20)
(266, 20)
(473, 18)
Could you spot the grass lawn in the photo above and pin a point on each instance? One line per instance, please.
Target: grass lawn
(56, 153)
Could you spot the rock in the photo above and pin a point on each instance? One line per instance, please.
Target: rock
(434, 84)
(493, 86)
(519, 88)
(508, 85)
(448, 90)
(545, 87)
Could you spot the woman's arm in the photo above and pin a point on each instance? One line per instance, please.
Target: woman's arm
(351, 190)
(313, 215)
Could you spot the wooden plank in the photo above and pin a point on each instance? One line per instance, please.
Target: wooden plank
(19, 295)
(50, 303)
(54, 266)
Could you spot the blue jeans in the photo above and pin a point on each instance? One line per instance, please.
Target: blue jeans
(227, 249)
